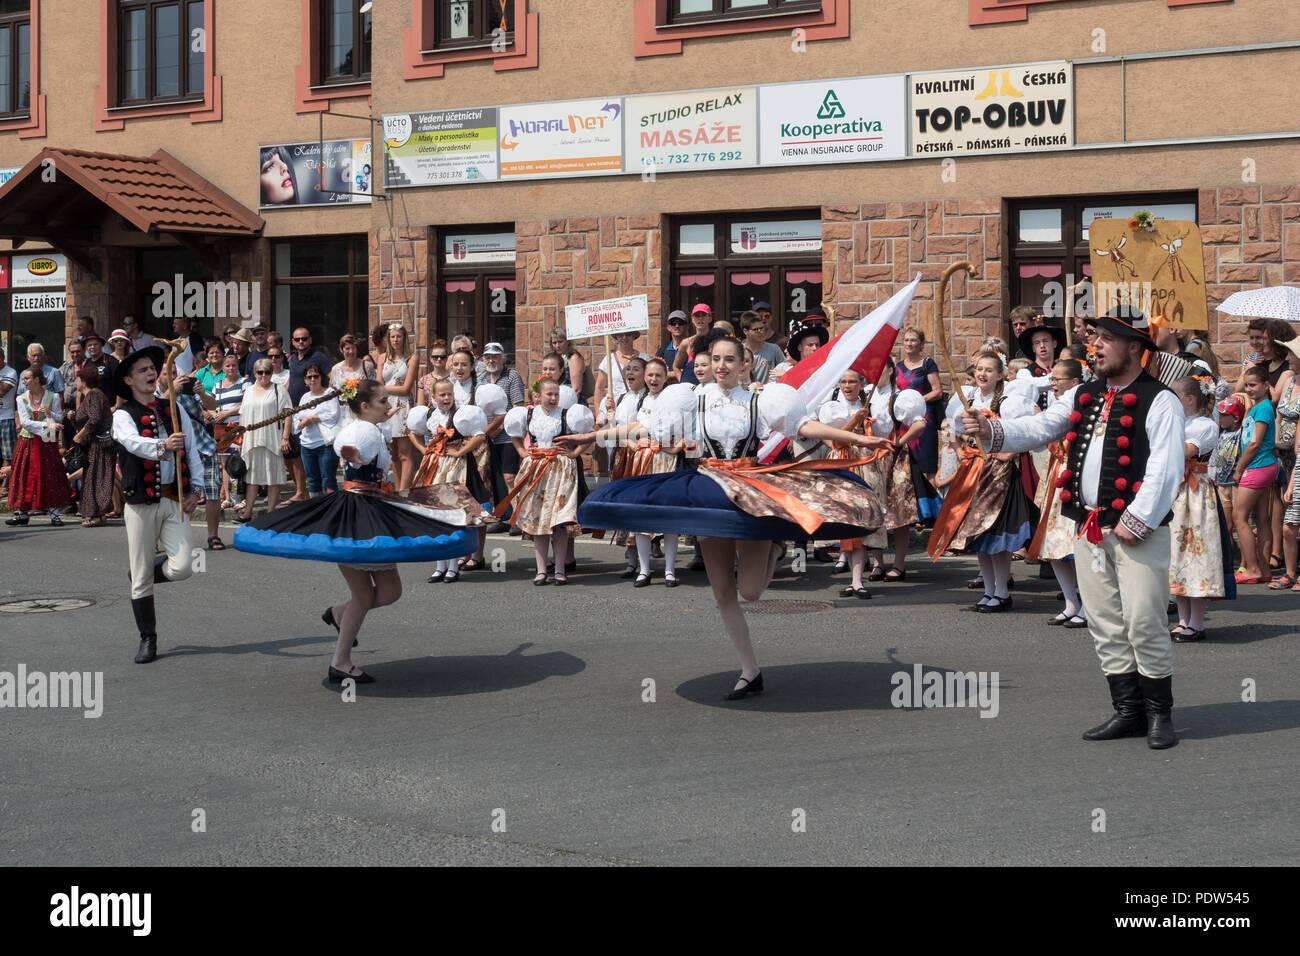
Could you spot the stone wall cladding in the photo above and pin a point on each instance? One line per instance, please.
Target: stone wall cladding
(399, 283)
(561, 262)
(871, 251)
(1251, 237)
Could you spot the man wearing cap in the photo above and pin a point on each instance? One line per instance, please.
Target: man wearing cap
(774, 334)
(1124, 446)
(259, 348)
(505, 460)
(677, 326)
(684, 361)
(241, 344)
(146, 457)
(101, 362)
(766, 355)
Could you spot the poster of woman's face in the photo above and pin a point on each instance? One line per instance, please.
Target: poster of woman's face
(294, 175)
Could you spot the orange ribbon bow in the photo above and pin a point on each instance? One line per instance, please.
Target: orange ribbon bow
(541, 460)
(1035, 547)
(432, 453)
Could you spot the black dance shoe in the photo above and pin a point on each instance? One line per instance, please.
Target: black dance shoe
(337, 676)
(995, 606)
(754, 686)
(328, 618)
(642, 581)
(19, 518)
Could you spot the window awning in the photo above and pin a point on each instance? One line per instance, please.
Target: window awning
(61, 195)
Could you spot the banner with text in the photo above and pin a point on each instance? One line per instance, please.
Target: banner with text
(575, 138)
(833, 121)
(607, 317)
(292, 175)
(1160, 270)
(715, 129)
(964, 112)
(440, 148)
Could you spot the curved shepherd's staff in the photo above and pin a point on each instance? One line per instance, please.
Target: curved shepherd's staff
(177, 346)
(941, 339)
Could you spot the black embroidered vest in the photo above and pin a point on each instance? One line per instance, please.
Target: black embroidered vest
(1125, 449)
(142, 477)
(748, 447)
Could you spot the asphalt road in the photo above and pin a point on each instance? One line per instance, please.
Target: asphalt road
(498, 702)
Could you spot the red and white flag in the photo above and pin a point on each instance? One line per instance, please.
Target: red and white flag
(864, 347)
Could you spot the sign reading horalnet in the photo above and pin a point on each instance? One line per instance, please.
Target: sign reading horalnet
(574, 138)
(833, 121)
(607, 317)
(993, 109)
(710, 129)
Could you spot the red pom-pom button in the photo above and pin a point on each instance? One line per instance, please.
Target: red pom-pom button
(1065, 497)
(1118, 504)
(146, 419)
(1129, 400)
(1137, 486)
(1125, 461)
(1076, 417)
(149, 492)
(1121, 484)
(1122, 441)
(1071, 437)
(1127, 421)
(146, 433)
(1085, 398)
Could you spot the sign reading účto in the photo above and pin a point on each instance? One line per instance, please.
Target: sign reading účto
(607, 317)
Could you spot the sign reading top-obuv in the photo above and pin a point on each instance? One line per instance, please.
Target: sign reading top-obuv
(993, 109)
(833, 121)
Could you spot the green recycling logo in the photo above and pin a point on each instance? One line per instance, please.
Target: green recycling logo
(830, 108)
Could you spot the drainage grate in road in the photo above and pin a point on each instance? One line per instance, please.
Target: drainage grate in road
(42, 605)
(787, 607)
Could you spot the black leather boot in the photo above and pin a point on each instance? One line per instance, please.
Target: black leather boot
(159, 564)
(1158, 694)
(1129, 719)
(147, 624)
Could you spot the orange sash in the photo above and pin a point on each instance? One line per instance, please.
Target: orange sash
(367, 486)
(957, 502)
(1190, 472)
(432, 453)
(745, 470)
(540, 460)
(1053, 470)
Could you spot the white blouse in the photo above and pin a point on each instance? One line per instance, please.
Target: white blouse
(836, 412)
(491, 398)
(367, 439)
(726, 414)
(545, 426)
(1201, 432)
(40, 427)
(317, 435)
(469, 420)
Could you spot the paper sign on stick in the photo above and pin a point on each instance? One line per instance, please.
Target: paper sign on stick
(1161, 271)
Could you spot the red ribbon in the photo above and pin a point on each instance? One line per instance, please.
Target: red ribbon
(1091, 527)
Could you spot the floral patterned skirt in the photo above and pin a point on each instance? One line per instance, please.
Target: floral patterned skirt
(908, 497)
(1000, 517)
(553, 501)
(1196, 555)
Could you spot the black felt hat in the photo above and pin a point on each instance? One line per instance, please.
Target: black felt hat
(802, 332)
(154, 353)
(1026, 339)
(1126, 321)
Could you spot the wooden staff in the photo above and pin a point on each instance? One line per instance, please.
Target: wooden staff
(830, 314)
(941, 340)
(177, 346)
(1069, 310)
(236, 431)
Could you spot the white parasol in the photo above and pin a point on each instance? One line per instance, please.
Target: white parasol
(1274, 302)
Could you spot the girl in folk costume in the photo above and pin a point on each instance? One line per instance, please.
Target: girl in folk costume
(625, 412)
(1054, 539)
(492, 400)
(550, 483)
(366, 528)
(649, 457)
(39, 480)
(845, 410)
(1198, 530)
(739, 510)
(907, 495)
(447, 438)
(987, 511)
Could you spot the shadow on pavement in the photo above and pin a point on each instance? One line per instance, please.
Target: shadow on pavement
(817, 688)
(1207, 721)
(1248, 633)
(466, 674)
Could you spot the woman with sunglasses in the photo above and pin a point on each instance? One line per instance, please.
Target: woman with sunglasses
(437, 373)
(263, 448)
(279, 371)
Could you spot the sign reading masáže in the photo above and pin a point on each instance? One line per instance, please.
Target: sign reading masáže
(607, 317)
(992, 109)
(710, 129)
(1162, 271)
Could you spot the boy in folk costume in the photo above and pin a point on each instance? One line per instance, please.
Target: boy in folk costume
(146, 456)
(1124, 438)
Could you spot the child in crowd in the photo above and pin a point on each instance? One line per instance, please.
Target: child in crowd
(1196, 560)
(1255, 472)
(1231, 412)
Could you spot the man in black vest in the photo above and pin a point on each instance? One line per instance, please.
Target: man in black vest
(146, 456)
(1124, 464)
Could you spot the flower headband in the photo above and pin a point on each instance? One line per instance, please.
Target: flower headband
(1206, 383)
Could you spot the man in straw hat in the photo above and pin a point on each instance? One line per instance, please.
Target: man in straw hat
(146, 456)
(1124, 440)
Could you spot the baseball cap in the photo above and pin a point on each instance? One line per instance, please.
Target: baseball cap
(762, 307)
(816, 318)
(677, 315)
(701, 307)
(493, 348)
(1232, 406)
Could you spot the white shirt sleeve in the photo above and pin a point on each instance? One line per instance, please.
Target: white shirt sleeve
(470, 420)
(1164, 472)
(834, 413)
(366, 438)
(1032, 431)
(492, 399)
(579, 419)
(909, 407)
(954, 409)
(673, 417)
(417, 420)
(516, 421)
(38, 427)
(1203, 433)
(781, 409)
(128, 436)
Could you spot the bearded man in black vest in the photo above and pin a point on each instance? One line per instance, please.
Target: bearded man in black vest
(146, 457)
(1124, 464)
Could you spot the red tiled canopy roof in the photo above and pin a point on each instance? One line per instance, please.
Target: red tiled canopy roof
(155, 194)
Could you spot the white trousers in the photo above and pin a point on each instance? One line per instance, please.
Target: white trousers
(1125, 588)
(161, 525)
